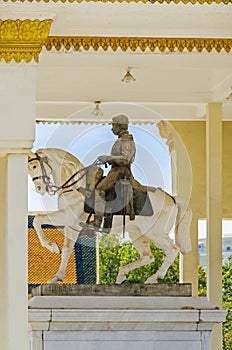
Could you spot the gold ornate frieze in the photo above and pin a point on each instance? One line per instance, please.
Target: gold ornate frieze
(144, 1)
(22, 40)
(133, 43)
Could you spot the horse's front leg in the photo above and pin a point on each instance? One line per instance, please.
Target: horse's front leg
(56, 218)
(39, 220)
(66, 253)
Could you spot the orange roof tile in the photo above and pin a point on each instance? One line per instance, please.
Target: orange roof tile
(42, 264)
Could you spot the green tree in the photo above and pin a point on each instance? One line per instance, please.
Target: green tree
(113, 256)
(227, 303)
(201, 282)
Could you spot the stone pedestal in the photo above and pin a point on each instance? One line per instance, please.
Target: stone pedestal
(121, 322)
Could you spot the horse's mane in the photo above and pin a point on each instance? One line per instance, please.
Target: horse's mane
(61, 157)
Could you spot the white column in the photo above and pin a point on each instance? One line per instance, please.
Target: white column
(17, 101)
(214, 211)
(17, 113)
(3, 253)
(183, 182)
(189, 262)
(17, 251)
(21, 41)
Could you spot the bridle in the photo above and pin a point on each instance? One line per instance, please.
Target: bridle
(51, 188)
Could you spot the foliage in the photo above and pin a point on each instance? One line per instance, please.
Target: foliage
(227, 280)
(227, 303)
(201, 282)
(113, 256)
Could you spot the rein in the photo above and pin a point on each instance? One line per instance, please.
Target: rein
(84, 170)
(51, 188)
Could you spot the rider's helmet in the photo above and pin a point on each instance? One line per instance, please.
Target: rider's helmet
(120, 119)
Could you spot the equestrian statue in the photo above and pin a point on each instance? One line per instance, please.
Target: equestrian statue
(90, 202)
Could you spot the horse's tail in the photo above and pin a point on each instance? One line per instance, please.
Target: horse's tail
(183, 223)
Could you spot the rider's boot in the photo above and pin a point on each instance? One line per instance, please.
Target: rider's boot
(99, 211)
(97, 221)
(96, 224)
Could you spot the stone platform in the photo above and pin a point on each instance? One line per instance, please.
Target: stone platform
(96, 322)
(171, 290)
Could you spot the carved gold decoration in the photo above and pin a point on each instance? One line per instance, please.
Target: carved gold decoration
(22, 40)
(165, 133)
(144, 1)
(133, 43)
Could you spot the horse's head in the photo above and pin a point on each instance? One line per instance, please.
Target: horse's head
(40, 171)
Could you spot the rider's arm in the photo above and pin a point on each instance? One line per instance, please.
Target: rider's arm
(126, 152)
(122, 153)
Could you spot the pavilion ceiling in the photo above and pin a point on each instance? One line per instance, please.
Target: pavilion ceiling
(181, 56)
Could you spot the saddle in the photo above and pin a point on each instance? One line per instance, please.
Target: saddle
(128, 197)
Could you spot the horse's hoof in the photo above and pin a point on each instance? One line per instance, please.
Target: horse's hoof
(121, 279)
(55, 280)
(87, 232)
(55, 248)
(151, 280)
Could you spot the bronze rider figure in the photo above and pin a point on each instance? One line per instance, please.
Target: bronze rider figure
(121, 157)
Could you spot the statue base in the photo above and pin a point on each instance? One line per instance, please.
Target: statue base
(97, 322)
(171, 290)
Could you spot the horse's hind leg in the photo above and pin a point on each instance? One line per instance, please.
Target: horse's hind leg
(170, 250)
(66, 253)
(146, 257)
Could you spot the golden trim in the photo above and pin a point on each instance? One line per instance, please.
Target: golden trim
(226, 2)
(134, 43)
(22, 40)
(166, 133)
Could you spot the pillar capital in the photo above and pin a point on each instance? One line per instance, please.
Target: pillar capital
(23, 39)
(15, 147)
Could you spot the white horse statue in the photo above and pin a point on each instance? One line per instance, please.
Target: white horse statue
(55, 171)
